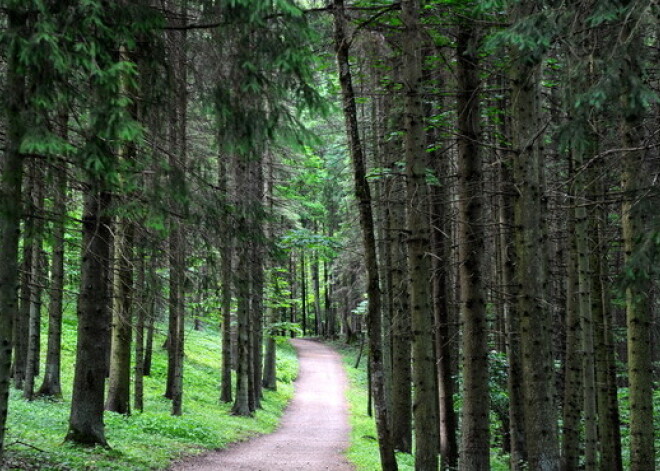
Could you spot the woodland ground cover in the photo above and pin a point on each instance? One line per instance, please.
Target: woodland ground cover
(152, 439)
(363, 450)
(489, 181)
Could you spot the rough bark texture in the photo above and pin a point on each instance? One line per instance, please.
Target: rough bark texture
(22, 316)
(535, 336)
(448, 420)
(86, 419)
(609, 425)
(362, 193)
(226, 291)
(475, 423)
(51, 385)
(586, 321)
(572, 406)
(638, 312)
(11, 177)
(425, 403)
(257, 276)
(242, 283)
(178, 143)
(445, 342)
(37, 270)
(401, 327)
(119, 378)
(141, 306)
(269, 380)
(511, 318)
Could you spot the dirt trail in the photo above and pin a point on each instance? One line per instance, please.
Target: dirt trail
(314, 430)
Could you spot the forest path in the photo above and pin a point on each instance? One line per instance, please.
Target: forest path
(314, 430)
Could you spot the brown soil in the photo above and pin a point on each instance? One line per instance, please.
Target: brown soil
(314, 430)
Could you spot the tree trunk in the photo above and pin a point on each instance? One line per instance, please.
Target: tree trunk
(225, 276)
(86, 419)
(572, 406)
(401, 327)
(425, 401)
(475, 423)
(242, 283)
(37, 274)
(609, 425)
(11, 178)
(257, 276)
(362, 193)
(51, 385)
(303, 292)
(586, 320)
(143, 298)
(270, 364)
(22, 319)
(178, 143)
(511, 318)
(153, 311)
(443, 340)
(119, 379)
(638, 309)
(535, 335)
(269, 380)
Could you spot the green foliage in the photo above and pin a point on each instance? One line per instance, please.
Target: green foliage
(280, 330)
(273, 80)
(644, 264)
(530, 37)
(150, 440)
(305, 239)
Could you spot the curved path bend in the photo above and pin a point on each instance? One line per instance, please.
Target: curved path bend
(313, 434)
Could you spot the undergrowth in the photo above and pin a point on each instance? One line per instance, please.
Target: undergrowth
(154, 438)
(363, 451)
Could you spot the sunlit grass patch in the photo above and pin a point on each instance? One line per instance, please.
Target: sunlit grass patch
(153, 439)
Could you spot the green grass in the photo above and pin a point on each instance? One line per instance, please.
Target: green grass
(363, 451)
(153, 439)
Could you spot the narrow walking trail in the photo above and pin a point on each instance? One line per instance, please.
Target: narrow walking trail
(314, 430)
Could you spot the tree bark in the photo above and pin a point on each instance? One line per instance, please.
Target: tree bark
(511, 317)
(572, 406)
(448, 422)
(178, 158)
(475, 423)
(609, 424)
(142, 300)
(11, 178)
(119, 378)
(257, 276)
(242, 283)
(638, 311)
(269, 380)
(22, 319)
(425, 402)
(226, 276)
(37, 274)
(362, 193)
(51, 385)
(401, 324)
(86, 419)
(535, 335)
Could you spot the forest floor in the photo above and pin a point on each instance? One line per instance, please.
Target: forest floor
(313, 435)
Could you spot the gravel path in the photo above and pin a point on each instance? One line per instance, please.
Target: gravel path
(314, 430)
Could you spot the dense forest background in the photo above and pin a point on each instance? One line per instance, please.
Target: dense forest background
(469, 188)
